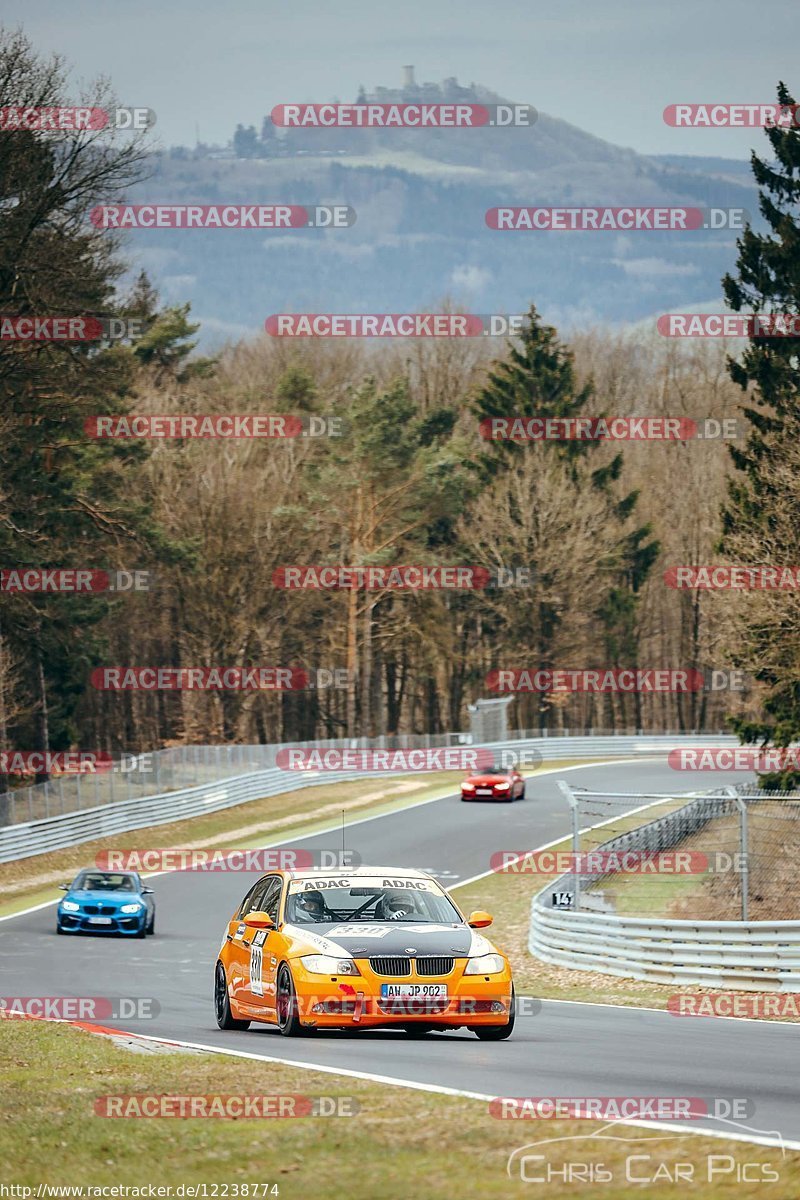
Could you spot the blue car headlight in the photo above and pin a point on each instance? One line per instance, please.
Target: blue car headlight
(130, 908)
(70, 906)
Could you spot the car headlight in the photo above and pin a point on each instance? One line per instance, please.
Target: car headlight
(70, 906)
(468, 787)
(485, 964)
(326, 964)
(502, 787)
(130, 908)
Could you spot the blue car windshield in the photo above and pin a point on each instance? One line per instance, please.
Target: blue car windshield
(104, 881)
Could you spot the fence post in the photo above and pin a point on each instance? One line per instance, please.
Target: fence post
(741, 804)
(576, 837)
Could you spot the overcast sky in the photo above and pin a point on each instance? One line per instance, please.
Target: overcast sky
(608, 66)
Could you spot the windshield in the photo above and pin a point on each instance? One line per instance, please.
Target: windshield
(104, 881)
(334, 900)
(493, 770)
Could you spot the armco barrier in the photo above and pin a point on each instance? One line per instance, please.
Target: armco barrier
(28, 838)
(747, 955)
(757, 956)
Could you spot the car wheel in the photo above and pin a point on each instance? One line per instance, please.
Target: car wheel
(151, 928)
(142, 933)
(59, 929)
(498, 1033)
(222, 1004)
(289, 1021)
(522, 794)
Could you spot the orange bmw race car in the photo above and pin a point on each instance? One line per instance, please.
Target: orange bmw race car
(379, 946)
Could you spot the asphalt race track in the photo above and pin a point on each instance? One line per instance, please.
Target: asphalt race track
(563, 1049)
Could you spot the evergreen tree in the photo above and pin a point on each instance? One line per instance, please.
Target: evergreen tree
(538, 379)
(767, 280)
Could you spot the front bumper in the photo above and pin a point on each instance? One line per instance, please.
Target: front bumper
(494, 795)
(355, 1001)
(84, 923)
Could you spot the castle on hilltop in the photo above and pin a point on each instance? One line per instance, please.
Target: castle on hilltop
(447, 92)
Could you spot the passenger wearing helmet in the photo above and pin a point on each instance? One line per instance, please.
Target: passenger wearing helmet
(397, 906)
(311, 906)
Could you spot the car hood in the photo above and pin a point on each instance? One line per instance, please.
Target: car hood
(87, 897)
(486, 780)
(381, 938)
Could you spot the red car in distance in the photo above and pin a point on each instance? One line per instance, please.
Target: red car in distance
(494, 783)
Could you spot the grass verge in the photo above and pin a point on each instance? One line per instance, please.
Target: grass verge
(401, 1142)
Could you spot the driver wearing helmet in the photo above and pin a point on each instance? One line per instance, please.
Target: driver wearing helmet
(397, 906)
(311, 906)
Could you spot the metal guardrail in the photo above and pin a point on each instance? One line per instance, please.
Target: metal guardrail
(56, 832)
(747, 955)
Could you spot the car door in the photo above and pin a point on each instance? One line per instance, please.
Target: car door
(266, 949)
(264, 898)
(239, 938)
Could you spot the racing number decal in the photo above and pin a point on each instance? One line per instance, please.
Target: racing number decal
(256, 970)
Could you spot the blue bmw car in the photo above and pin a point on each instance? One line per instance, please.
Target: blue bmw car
(107, 902)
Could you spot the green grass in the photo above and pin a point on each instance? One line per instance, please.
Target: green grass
(402, 1142)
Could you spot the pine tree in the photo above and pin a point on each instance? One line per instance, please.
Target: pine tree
(538, 379)
(767, 280)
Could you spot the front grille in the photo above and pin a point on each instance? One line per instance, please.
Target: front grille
(99, 910)
(391, 966)
(434, 966)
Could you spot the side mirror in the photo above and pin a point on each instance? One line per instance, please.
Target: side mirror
(259, 920)
(63, 887)
(479, 919)
(147, 891)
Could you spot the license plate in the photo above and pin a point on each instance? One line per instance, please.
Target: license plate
(484, 791)
(413, 991)
(99, 920)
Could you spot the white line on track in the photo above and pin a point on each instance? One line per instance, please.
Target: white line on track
(441, 1089)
